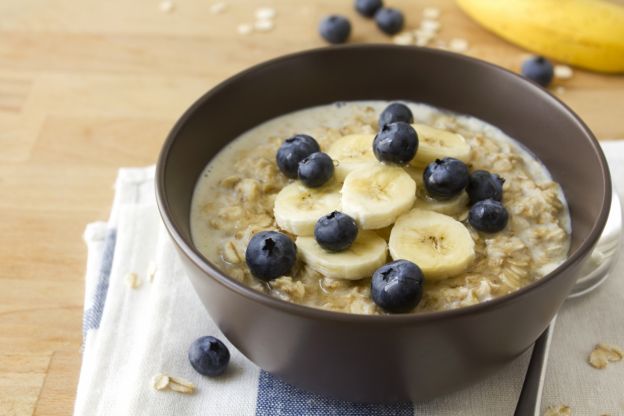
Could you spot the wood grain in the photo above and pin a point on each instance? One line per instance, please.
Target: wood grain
(87, 87)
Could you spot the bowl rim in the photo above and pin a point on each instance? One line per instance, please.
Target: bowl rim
(206, 266)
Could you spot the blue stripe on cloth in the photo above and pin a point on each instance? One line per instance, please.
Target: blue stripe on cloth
(277, 398)
(93, 315)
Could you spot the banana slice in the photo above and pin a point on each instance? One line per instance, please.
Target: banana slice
(352, 152)
(367, 253)
(375, 196)
(435, 144)
(441, 246)
(297, 207)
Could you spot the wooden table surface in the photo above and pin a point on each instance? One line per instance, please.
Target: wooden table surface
(89, 86)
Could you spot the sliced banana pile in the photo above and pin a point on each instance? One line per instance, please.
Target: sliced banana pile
(440, 245)
(380, 197)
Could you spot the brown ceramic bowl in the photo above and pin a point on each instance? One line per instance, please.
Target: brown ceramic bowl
(383, 358)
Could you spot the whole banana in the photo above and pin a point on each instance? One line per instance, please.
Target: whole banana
(585, 33)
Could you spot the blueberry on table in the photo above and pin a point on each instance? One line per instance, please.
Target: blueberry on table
(368, 8)
(335, 231)
(396, 112)
(538, 69)
(316, 169)
(209, 356)
(270, 254)
(395, 143)
(397, 286)
(335, 29)
(390, 21)
(445, 178)
(489, 216)
(484, 185)
(293, 151)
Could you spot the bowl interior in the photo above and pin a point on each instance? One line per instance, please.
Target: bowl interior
(522, 110)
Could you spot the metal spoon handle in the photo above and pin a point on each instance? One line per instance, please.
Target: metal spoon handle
(531, 393)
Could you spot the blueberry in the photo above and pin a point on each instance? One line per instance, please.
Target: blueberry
(293, 151)
(397, 286)
(316, 169)
(396, 112)
(389, 21)
(270, 254)
(489, 216)
(445, 178)
(335, 231)
(335, 29)
(396, 143)
(209, 356)
(368, 8)
(484, 185)
(538, 69)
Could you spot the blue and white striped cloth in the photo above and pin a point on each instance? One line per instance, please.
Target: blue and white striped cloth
(131, 334)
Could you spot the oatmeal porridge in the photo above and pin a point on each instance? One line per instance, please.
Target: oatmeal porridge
(466, 213)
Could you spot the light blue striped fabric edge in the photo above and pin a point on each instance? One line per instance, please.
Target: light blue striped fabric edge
(275, 397)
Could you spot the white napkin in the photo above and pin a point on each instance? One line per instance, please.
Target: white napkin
(131, 334)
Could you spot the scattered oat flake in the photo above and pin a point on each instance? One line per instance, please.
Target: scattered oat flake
(182, 382)
(265, 13)
(151, 271)
(560, 90)
(602, 354)
(160, 381)
(405, 38)
(133, 280)
(181, 385)
(563, 72)
(559, 410)
(218, 7)
(243, 29)
(429, 25)
(264, 25)
(458, 45)
(431, 13)
(166, 6)
(422, 41)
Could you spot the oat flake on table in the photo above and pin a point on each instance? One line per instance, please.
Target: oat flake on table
(603, 354)
(558, 410)
(132, 280)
